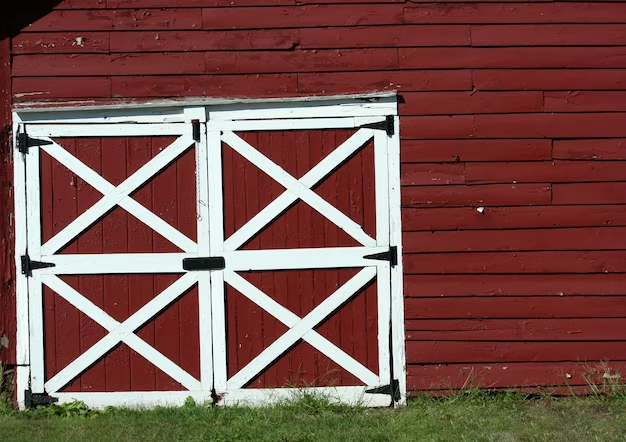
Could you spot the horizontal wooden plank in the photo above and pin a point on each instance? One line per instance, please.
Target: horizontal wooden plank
(558, 171)
(448, 103)
(172, 41)
(346, 82)
(384, 36)
(303, 16)
(516, 57)
(536, 307)
(118, 19)
(101, 64)
(194, 3)
(432, 174)
(586, 238)
(438, 127)
(585, 101)
(446, 286)
(515, 262)
(593, 329)
(487, 195)
(29, 88)
(421, 352)
(453, 218)
(589, 193)
(549, 35)
(81, 4)
(507, 375)
(205, 85)
(59, 43)
(550, 79)
(551, 125)
(301, 61)
(561, 12)
(602, 149)
(413, 151)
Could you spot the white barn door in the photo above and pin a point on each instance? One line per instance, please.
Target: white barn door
(233, 254)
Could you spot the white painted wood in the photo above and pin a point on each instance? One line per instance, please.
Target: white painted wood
(216, 229)
(204, 249)
(381, 174)
(305, 325)
(114, 263)
(135, 399)
(108, 130)
(298, 189)
(22, 338)
(127, 203)
(119, 333)
(381, 177)
(290, 319)
(125, 106)
(257, 397)
(111, 199)
(397, 293)
(263, 397)
(111, 116)
(292, 259)
(290, 110)
(310, 179)
(294, 124)
(35, 294)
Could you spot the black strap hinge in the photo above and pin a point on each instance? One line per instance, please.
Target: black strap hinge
(390, 255)
(392, 390)
(32, 400)
(208, 263)
(24, 142)
(29, 265)
(196, 130)
(388, 125)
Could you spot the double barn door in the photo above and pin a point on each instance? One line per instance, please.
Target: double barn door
(237, 260)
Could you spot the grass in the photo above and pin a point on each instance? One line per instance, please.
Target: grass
(476, 416)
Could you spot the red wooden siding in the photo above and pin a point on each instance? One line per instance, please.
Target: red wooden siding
(513, 149)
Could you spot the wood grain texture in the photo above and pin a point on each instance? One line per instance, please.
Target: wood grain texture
(549, 35)
(492, 218)
(549, 79)
(561, 12)
(7, 267)
(457, 286)
(501, 375)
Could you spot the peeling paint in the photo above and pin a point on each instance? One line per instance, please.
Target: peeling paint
(4, 341)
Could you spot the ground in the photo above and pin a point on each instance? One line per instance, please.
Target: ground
(470, 417)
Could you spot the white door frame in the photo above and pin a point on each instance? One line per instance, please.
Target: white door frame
(174, 119)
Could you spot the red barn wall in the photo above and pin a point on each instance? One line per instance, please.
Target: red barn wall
(517, 108)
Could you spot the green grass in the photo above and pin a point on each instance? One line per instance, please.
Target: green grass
(470, 417)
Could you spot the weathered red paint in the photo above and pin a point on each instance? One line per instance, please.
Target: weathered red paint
(517, 374)
(538, 217)
(549, 79)
(516, 262)
(513, 128)
(595, 238)
(7, 268)
(497, 286)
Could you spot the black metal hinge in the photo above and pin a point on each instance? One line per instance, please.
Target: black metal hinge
(196, 130)
(32, 400)
(392, 390)
(208, 263)
(28, 265)
(390, 255)
(388, 125)
(24, 142)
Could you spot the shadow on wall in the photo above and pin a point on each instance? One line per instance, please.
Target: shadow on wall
(17, 14)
